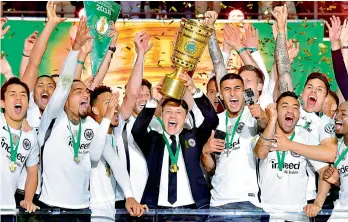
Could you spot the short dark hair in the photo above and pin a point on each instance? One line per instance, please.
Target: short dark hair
(54, 75)
(230, 76)
(320, 76)
(210, 80)
(46, 76)
(175, 102)
(144, 82)
(97, 91)
(252, 69)
(287, 94)
(12, 81)
(334, 95)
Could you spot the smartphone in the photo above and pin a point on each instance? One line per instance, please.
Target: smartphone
(249, 97)
(219, 135)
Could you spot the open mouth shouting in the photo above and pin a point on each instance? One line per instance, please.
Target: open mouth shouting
(142, 105)
(44, 98)
(234, 102)
(312, 100)
(339, 126)
(172, 124)
(18, 108)
(84, 106)
(289, 120)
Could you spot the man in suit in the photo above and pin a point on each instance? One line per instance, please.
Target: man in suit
(173, 158)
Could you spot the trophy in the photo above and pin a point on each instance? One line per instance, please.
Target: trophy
(189, 46)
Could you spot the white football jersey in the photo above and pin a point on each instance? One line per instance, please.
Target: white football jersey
(33, 118)
(289, 192)
(235, 178)
(343, 171)
(27, 156)
(321, 128)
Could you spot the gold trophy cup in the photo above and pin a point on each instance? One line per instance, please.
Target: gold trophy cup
(189, 46)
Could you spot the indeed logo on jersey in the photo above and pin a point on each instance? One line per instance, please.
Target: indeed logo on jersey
(289, 168)
(84, 147)
(343, 170)
(20, 157)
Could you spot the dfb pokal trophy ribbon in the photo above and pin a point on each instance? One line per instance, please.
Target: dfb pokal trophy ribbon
(99, 15)
(192, 39)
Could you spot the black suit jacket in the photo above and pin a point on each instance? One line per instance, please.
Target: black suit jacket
(152, 144)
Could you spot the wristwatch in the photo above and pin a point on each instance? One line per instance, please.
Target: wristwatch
(196, 92)
(112, 49)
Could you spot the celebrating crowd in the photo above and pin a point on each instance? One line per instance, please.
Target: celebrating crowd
(250, 143)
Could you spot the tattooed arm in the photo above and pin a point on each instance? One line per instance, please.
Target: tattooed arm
(283, 64)
(281, 53)
(217, 58)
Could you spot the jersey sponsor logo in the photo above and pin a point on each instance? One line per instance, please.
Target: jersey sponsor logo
(84, 147)
(329, 128)
(89, 134)
(235, 145)
(20, 157)
(240, 127)
(287, 166)
(295, 154)
(343, 169)
(26, 144)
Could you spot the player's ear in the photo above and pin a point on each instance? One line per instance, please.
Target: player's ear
(259, 87)
(95, 111)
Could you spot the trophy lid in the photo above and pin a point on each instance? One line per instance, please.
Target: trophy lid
(197, 25)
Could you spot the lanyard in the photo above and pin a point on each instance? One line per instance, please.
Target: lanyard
(341, 156)
(76, 143)
(229, 142)
(173, 157)
(281, 156)
(13, 150)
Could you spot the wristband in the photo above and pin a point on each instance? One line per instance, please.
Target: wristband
(156, 100)
(268, 140)
(345, 47)
(81, 63)
(196, 91)
(252, 49)
(241, 50)
(25, 55)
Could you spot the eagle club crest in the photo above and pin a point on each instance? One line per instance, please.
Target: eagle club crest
(329, 128)
(89, 134)
(26, 144)
(295, 154)
(192, 142)
(240, 127)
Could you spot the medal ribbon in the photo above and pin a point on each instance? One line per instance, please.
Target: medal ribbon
(173, 158)
(341, 156)
(76, 143)
(13, 150)
(281, 156)
(229, 142)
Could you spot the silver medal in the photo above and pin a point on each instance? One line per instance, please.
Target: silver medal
(280, 174)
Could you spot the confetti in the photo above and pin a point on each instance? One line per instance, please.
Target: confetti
(55, 70)
(67, 49)
(159, 61)
(162, 33)
(173, 8)
(223, 6)
(119, 87)
(171, 22)
(128, 48)
(138, 5)
(11, 36)
(157, 38)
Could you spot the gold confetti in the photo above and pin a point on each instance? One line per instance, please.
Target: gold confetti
(332, 7)
(138, 5)
(55, 70)
(322, 46)
(171, 22)
(173, 8)
(223, 6)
